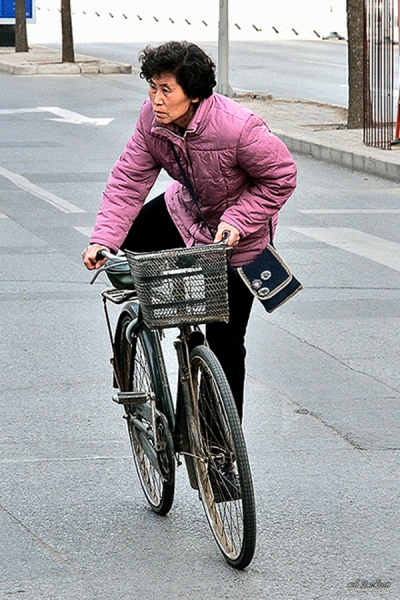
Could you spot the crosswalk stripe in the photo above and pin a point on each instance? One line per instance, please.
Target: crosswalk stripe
(374, 248)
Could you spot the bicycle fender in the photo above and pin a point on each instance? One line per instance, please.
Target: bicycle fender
(132, 309)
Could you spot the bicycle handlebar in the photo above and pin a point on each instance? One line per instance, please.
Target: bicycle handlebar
(110, 256)
(103, 253)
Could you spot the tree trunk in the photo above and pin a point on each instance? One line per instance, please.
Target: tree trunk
(355, 57)
(21, 38)
(68, 54)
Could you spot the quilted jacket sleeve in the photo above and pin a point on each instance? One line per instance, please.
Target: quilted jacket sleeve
(128, 185)
(272, 174)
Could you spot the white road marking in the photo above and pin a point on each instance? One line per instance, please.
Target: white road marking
(3, 216)
(39, 192)
(68, 116)
(86, 231)
(351, 211)
(16, 111)
(357, 242)
(65, 116)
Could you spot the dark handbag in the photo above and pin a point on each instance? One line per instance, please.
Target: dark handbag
(269, 278)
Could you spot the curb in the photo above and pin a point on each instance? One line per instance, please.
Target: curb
(77, 68)
(345, 158)
(46, 61)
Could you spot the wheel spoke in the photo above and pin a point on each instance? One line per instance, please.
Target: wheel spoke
(155, 466)
(222, 467)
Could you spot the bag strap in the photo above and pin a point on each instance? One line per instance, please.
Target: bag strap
(190, 188)
(271, 233)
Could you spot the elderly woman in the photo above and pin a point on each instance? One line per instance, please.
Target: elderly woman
(240, 173)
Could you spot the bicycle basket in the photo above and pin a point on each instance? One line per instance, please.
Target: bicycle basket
(182, 286)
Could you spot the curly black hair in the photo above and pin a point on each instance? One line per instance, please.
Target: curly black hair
(192, 67)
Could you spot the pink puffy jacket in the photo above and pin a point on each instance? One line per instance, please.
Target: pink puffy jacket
(240, 172)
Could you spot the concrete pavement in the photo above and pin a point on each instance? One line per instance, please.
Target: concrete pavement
(311, 128)
(47, 61)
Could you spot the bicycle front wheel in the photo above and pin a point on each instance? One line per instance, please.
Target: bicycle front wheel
(149, 432)
(220, 460)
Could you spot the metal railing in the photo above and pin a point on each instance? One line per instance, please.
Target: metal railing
(379, 73)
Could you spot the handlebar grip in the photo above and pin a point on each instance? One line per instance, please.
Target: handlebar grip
(100, 255)
(225, 235)
(105, 253)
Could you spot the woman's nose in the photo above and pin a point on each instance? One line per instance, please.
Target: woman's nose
(157, 97)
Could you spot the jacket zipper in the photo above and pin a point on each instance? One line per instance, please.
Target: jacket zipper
(188, 159)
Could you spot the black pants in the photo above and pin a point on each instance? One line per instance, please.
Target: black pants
(154, 229)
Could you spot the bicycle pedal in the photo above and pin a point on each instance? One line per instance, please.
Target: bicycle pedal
(131, 397)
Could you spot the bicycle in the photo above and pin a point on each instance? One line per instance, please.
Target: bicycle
(182, 288)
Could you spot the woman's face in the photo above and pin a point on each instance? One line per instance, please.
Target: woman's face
(170, 103)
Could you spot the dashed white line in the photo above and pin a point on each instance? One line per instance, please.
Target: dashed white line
(39, 192)
(374, 248)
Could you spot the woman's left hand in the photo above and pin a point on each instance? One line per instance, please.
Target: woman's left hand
(90, 256)
(231, 237)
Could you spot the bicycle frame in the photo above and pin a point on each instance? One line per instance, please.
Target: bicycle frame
(161, 432)
(189, 336)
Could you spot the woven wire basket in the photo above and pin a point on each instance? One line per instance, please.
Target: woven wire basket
(183, 286)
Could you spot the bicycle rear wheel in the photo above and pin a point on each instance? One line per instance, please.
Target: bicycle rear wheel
(221, 463)
(151, 439)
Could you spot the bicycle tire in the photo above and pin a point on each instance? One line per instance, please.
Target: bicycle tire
(139, 372)
(218, 442)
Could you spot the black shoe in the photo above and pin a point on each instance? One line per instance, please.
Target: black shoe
(225, 484)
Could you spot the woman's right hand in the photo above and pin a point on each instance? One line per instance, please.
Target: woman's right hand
(228, 233)
(89, 256)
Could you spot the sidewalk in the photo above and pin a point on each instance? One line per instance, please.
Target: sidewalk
(312, 128)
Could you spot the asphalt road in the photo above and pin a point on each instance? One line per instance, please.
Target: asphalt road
(322, 397)
(313, 70)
